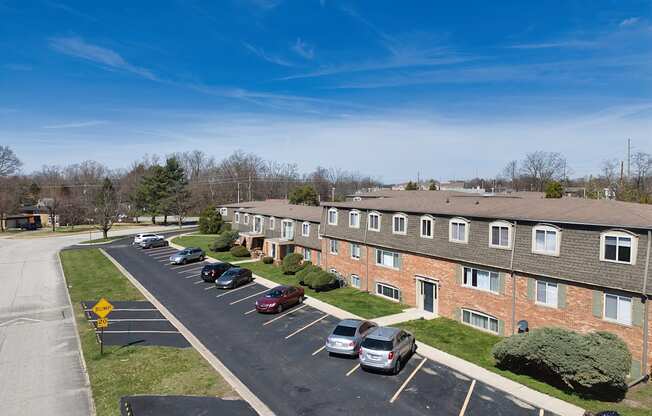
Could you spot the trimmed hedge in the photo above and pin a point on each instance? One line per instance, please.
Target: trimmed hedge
(594, 365)
(224, 241)
(318, 280)
(240, 251)
(292, 263)
(268, 260)
(308, 267)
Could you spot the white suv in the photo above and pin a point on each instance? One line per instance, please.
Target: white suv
(139, 238)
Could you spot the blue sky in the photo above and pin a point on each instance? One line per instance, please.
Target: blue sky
(447, 89)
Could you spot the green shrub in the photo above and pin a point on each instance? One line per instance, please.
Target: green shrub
(268, 260)
(594, 365)
(308, 267)
(226, 226)
(240, 251)
(323, 280)
(292, 263)
(210, 221)
(224, 241)
(310, 276)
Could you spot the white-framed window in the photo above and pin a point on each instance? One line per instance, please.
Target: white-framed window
(224, 211)
(305, 229)
(546, 239)
(334, 246)
(287, 229)
(427, 227)
(332, 216)
(307, 254)
(332, 270)
(480, 321)
(237, 218)
(373, 221)
(355, 251)
(618, 308)
(272, 223)
(246, 219)
(458, 230)
(618, 247)
(354, 219)
(547, 293)
(388, 291)
(355, 281)
(500, 234)
(399, 224)
(258, 224)
(357, 198)
(387, 258)
(319, 236)
(481, 279)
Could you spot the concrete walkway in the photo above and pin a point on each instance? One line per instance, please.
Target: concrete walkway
(476, 372)
(41, 367)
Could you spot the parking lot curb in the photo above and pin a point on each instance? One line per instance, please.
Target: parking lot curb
(244, 392)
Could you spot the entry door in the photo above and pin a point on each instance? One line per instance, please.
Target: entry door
(429, 296)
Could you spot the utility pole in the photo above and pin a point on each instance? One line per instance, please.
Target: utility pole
(629, 154)
(621, 172)
(238, 192)
(249, 186)
(333, 194)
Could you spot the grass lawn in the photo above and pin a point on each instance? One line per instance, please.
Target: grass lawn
(102, 240)
(135, 369)
(203, 241)
(475, 346)
(350, 299)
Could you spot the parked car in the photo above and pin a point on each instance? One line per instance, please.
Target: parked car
(280, 298)
(138, 238)
(153, 242)
(234, 277)
(348, 335)
(386, 348)
(187, 255)
(212, 271)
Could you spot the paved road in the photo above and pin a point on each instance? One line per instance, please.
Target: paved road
(280, 359)
(40, 364)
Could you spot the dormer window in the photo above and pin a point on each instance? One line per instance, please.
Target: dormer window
(546, 239)
(458, 230)
(305, 229)
(272, 223)
(237, 218)
(618, 247)
(354, 219)
(373, 221)
(427, 226)
(258, 224)
(246, 219)
(500, 234)
(332, 216)
(399, 224)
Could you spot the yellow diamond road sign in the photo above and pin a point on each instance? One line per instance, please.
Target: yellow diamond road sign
(102, 308)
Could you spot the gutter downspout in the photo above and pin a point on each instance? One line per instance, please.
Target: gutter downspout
(646, 329)
(366, 228)
(511, 270)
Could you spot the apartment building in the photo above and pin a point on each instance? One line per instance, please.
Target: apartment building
(278, 229)
(492, 261)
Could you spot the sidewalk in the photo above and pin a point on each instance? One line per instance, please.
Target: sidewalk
(476, 372)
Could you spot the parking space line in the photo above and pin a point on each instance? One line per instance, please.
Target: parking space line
(235, 290)
(179, 266)
(139, 332)
(127, 309)
(163, 260)
(251, 311)
(155, 249)
(248, 297)
(190, 270)
(283, 315)
(133, 320)
(198, 282)
(407, 380)
(319, 350)
(306, 327)
(159, 255)
(353, 369)
(468, 397)
(210, 287)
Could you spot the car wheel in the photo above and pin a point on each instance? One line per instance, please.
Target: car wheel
(414, 348)
(184, 261)
(279, 308)
(397, 365)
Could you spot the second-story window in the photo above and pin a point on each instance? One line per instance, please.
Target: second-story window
(388, 259)
(354, 219)
(246, 219)
(427, 227)
(459, 230)
(258, 224)
(399, 224)
(272, 223)
(546, 240)
(374, 221)
(355, 251)
(332, 216)
(547, 293)
(334, 246)
(618, 247)
(481, 279)
(237, 217)
(500, 234)
(224, 211)
(618, 309)
(287, 229)
(305, 229)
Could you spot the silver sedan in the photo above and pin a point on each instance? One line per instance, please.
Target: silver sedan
(347, 336)
(186, 255)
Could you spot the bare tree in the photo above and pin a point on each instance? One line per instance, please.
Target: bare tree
(642, 163)
(9, 162)
(541, 167)
(510, 173)
(107, 203)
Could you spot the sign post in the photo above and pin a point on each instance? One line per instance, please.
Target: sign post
(102, 309)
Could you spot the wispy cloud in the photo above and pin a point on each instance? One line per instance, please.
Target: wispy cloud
(557, 45)
(17, 67)
(630, 21)
(259, 52)
(70, 10)
(303, 49)
(77, 47)
(263, 4)
(76, 125)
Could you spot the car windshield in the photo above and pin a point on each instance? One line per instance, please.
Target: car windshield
(377, 344)
(274, 293)
(344, 331)
(229, 274)
(184, 252)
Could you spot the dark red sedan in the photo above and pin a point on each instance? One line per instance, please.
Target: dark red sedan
(279, 298)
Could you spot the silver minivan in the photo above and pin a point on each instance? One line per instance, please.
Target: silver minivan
(347, 336)
(386, 348)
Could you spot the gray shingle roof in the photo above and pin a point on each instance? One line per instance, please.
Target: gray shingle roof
(296, 212)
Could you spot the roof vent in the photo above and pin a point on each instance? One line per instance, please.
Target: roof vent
(477, 202)
(448, 200)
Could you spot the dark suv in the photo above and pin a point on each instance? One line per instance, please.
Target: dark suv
(211, 272)
(233, 278)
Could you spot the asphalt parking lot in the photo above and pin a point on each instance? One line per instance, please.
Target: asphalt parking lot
(281, 359)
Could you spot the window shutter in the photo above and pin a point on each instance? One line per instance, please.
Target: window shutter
(531, 288)
(350, 249)
(373, 253)
(457, 314)
(502, 281)
(400, 261)
(561, 295)
(501, 327)
(635, 371)
(598, 300)
(638, 311)
(460, 274)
